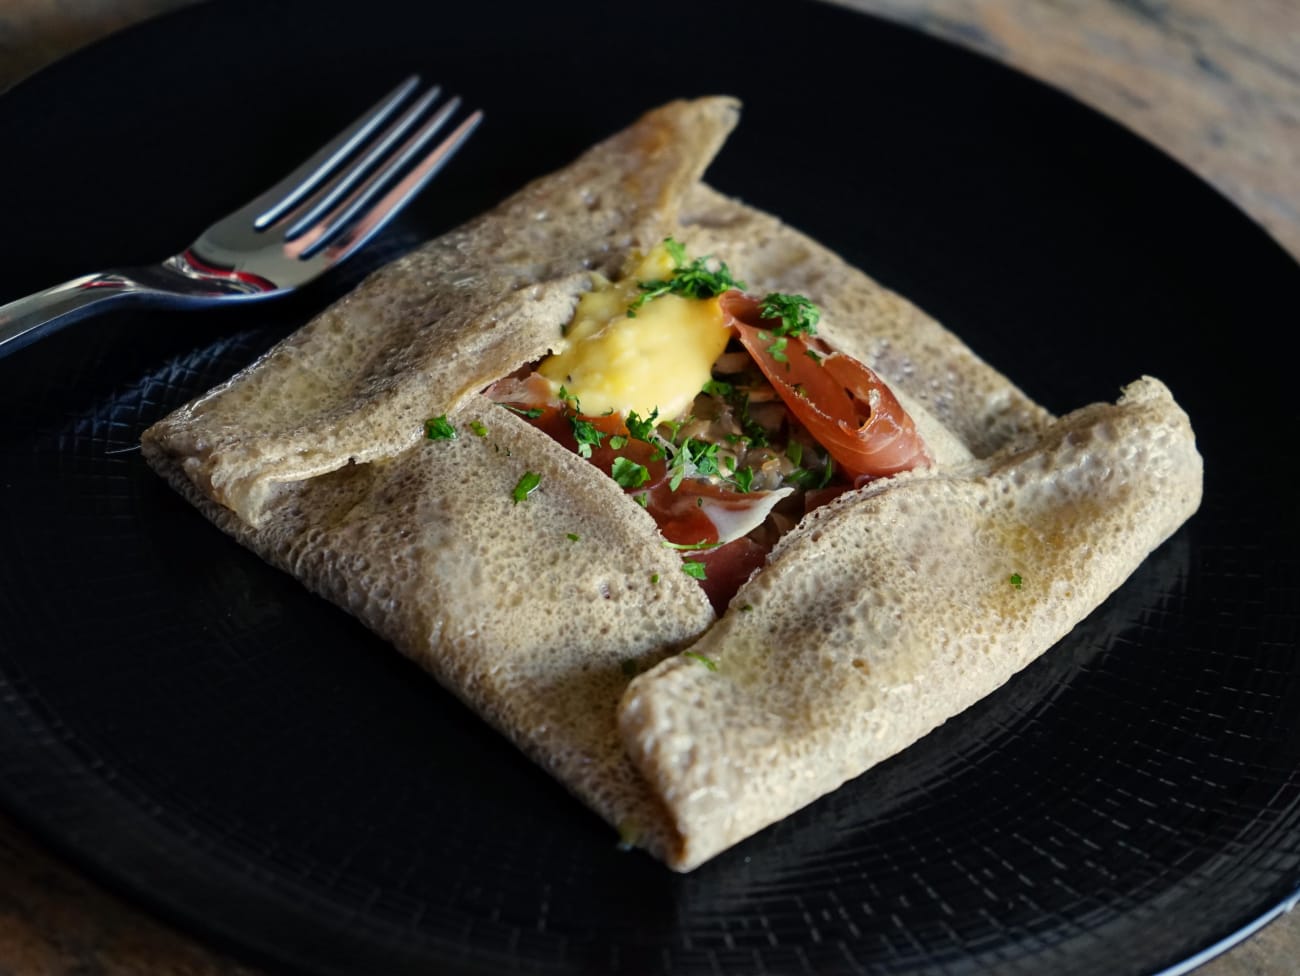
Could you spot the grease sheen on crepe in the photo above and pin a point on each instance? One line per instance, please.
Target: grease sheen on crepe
(877, 618)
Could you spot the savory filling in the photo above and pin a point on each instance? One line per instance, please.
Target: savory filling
(725, 416)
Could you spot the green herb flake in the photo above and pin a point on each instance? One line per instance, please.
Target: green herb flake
(438, 429)
(628, 474)
(744, 479)
(532, 413)
(798, 315)
(685, 546)
(813, 354)
(777, 349)
(718, 388)
(828, 472)
(569, 400)
(694, 568)
(1016, 580)
(642, 429)
(698, 279)
(587, 434)
(654, 577)
(802, 478)
(676, 250)
(617, 442)
(525, 486)
(678, 469)
(479, 428)
(755, 431)
(698, 455)
(709, 663)
(675, 427)
(642, 499)
(572, 536)
(650, 290)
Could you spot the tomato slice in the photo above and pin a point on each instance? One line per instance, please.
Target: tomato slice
(843, 403)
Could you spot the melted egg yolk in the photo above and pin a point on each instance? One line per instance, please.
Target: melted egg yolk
(658, 359)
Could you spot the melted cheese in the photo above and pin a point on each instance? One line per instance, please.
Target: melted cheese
(657, 360)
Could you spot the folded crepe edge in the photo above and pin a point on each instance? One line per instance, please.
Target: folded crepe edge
(636, 179)
(958, 581)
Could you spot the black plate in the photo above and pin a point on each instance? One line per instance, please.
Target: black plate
(190, 725)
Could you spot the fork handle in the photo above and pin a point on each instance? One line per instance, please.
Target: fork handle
(27, 319)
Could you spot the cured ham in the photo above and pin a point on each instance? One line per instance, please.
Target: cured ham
(804, 392)
(842, 402)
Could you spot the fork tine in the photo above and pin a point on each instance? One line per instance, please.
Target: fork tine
(286, 194)
(357, 171)
(378, 210)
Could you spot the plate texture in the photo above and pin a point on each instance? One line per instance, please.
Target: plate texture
(191, 726)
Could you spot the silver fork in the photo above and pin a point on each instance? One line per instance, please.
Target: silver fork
(314, 218)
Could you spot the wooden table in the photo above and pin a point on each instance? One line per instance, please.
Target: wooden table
(1215, 84)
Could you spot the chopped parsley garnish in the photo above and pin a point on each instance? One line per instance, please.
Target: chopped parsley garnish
(694, 280)
(708, 662)
(698, 280)
(743, 478)
(628, 474)
(525, 486)
(718, 388)
(798, 315)
(802, 477)
(654, 577)
(586, 434)
(438, 429)
(478, 427)
(617, 442)
(572, 536)
(1016, 580)
(650, 290)
(675, 426)
(695, 568)
(755, 431)
(532, 413)
(702, 454)
(777, 349)
(642, 430)
(813, 354)
(567, 399)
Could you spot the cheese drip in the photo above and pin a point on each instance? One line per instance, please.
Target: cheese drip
(657, 360)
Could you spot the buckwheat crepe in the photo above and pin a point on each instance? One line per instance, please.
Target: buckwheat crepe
(875, 619)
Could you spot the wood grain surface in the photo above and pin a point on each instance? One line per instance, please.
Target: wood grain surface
(1215, 83)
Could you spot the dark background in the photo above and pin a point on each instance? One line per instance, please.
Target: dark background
(193, 727)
